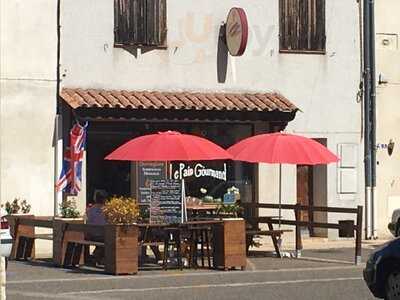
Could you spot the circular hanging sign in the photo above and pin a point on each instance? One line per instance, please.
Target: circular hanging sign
(237, 31)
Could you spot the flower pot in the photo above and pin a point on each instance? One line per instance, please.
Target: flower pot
(230, 244)
(121, 249)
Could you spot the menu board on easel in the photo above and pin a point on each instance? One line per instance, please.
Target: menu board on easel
(166, 205)
(146, 172)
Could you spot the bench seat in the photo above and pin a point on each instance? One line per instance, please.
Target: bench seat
(87, 242)
(267, 232)
(45, 236)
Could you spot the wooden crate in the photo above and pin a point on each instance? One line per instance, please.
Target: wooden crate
(121, 249)
(230, 244)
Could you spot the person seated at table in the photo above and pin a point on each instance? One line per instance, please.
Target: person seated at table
(95, 216)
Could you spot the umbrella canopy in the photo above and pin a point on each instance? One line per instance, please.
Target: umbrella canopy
(169, 146)
(282, 148)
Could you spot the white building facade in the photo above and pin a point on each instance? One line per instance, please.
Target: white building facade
(388, 116)
(321, 78)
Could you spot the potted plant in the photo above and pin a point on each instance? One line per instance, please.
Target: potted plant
(229, 210)
(121, 235)
(15, 209)
(17, 206)
(121, 210)
(68, 208)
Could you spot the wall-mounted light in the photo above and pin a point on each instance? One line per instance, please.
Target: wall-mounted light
(390, 147)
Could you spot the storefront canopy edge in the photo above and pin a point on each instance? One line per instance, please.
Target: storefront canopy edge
(94, 103)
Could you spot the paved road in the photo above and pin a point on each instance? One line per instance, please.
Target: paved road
(265, 278)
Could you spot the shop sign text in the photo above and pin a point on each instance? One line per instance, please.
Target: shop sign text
(198, 171)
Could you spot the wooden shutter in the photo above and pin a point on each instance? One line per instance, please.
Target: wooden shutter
(140, 22)
(156, 17)
(302, 25)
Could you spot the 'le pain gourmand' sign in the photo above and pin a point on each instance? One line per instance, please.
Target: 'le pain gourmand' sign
(199, 170)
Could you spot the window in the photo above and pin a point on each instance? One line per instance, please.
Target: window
(140, 22)
(302, 26)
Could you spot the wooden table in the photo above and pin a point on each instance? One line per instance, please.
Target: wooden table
(203, 209)
(22, 230)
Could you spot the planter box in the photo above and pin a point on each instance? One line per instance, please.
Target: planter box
(121, 249)
(230, 244)
(61, 238)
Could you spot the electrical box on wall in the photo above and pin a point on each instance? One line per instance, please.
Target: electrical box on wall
(347, 169)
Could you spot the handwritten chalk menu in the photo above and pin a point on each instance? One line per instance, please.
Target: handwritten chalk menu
(166, 201)
(146, 172)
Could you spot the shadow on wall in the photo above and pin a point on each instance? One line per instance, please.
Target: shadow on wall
(222, 56)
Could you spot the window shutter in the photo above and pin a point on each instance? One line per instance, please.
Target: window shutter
(156, 27)
(140, 22)
(320, 25)
(302, 25)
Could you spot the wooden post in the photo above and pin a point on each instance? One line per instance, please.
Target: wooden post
(358, 235)
(310, 219)
(299, 245)
(2, 278)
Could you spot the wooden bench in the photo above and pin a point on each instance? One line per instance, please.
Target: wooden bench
(253, 230)
(120, 246)
(73, 252)
(274, 234)
(22, 229)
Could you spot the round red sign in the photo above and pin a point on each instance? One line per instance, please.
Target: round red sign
(237, 31)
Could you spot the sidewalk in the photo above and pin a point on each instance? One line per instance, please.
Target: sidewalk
(319, 249)
(318, 243)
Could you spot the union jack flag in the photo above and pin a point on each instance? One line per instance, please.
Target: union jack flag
(70, 179)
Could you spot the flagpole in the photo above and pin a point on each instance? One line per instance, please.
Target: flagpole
(58, 162)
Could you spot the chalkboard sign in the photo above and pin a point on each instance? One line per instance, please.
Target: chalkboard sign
(166, 202)
(146, 172)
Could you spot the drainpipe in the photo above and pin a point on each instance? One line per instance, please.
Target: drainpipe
(367, 125)
(374, 206)
(58, 146)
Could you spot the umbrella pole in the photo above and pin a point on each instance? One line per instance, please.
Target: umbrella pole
(280, 203)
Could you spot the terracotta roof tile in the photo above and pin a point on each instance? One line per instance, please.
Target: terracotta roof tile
(93, 98)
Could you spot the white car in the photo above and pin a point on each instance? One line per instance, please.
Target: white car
(394, 225)
(6, 239)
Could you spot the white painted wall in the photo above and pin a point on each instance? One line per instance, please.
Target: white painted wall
(326, 84)
(28, 102)
(388, 113)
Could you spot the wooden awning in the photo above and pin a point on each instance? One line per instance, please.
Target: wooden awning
(93, 98)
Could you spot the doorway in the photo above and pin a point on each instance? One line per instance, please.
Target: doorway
(305, 193)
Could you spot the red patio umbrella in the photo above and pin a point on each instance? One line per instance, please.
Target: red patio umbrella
(282, 148)
(169, 146)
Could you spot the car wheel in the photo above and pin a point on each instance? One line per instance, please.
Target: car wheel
(392, 286)
(397, 233)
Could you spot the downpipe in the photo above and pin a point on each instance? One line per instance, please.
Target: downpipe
(368, 231)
